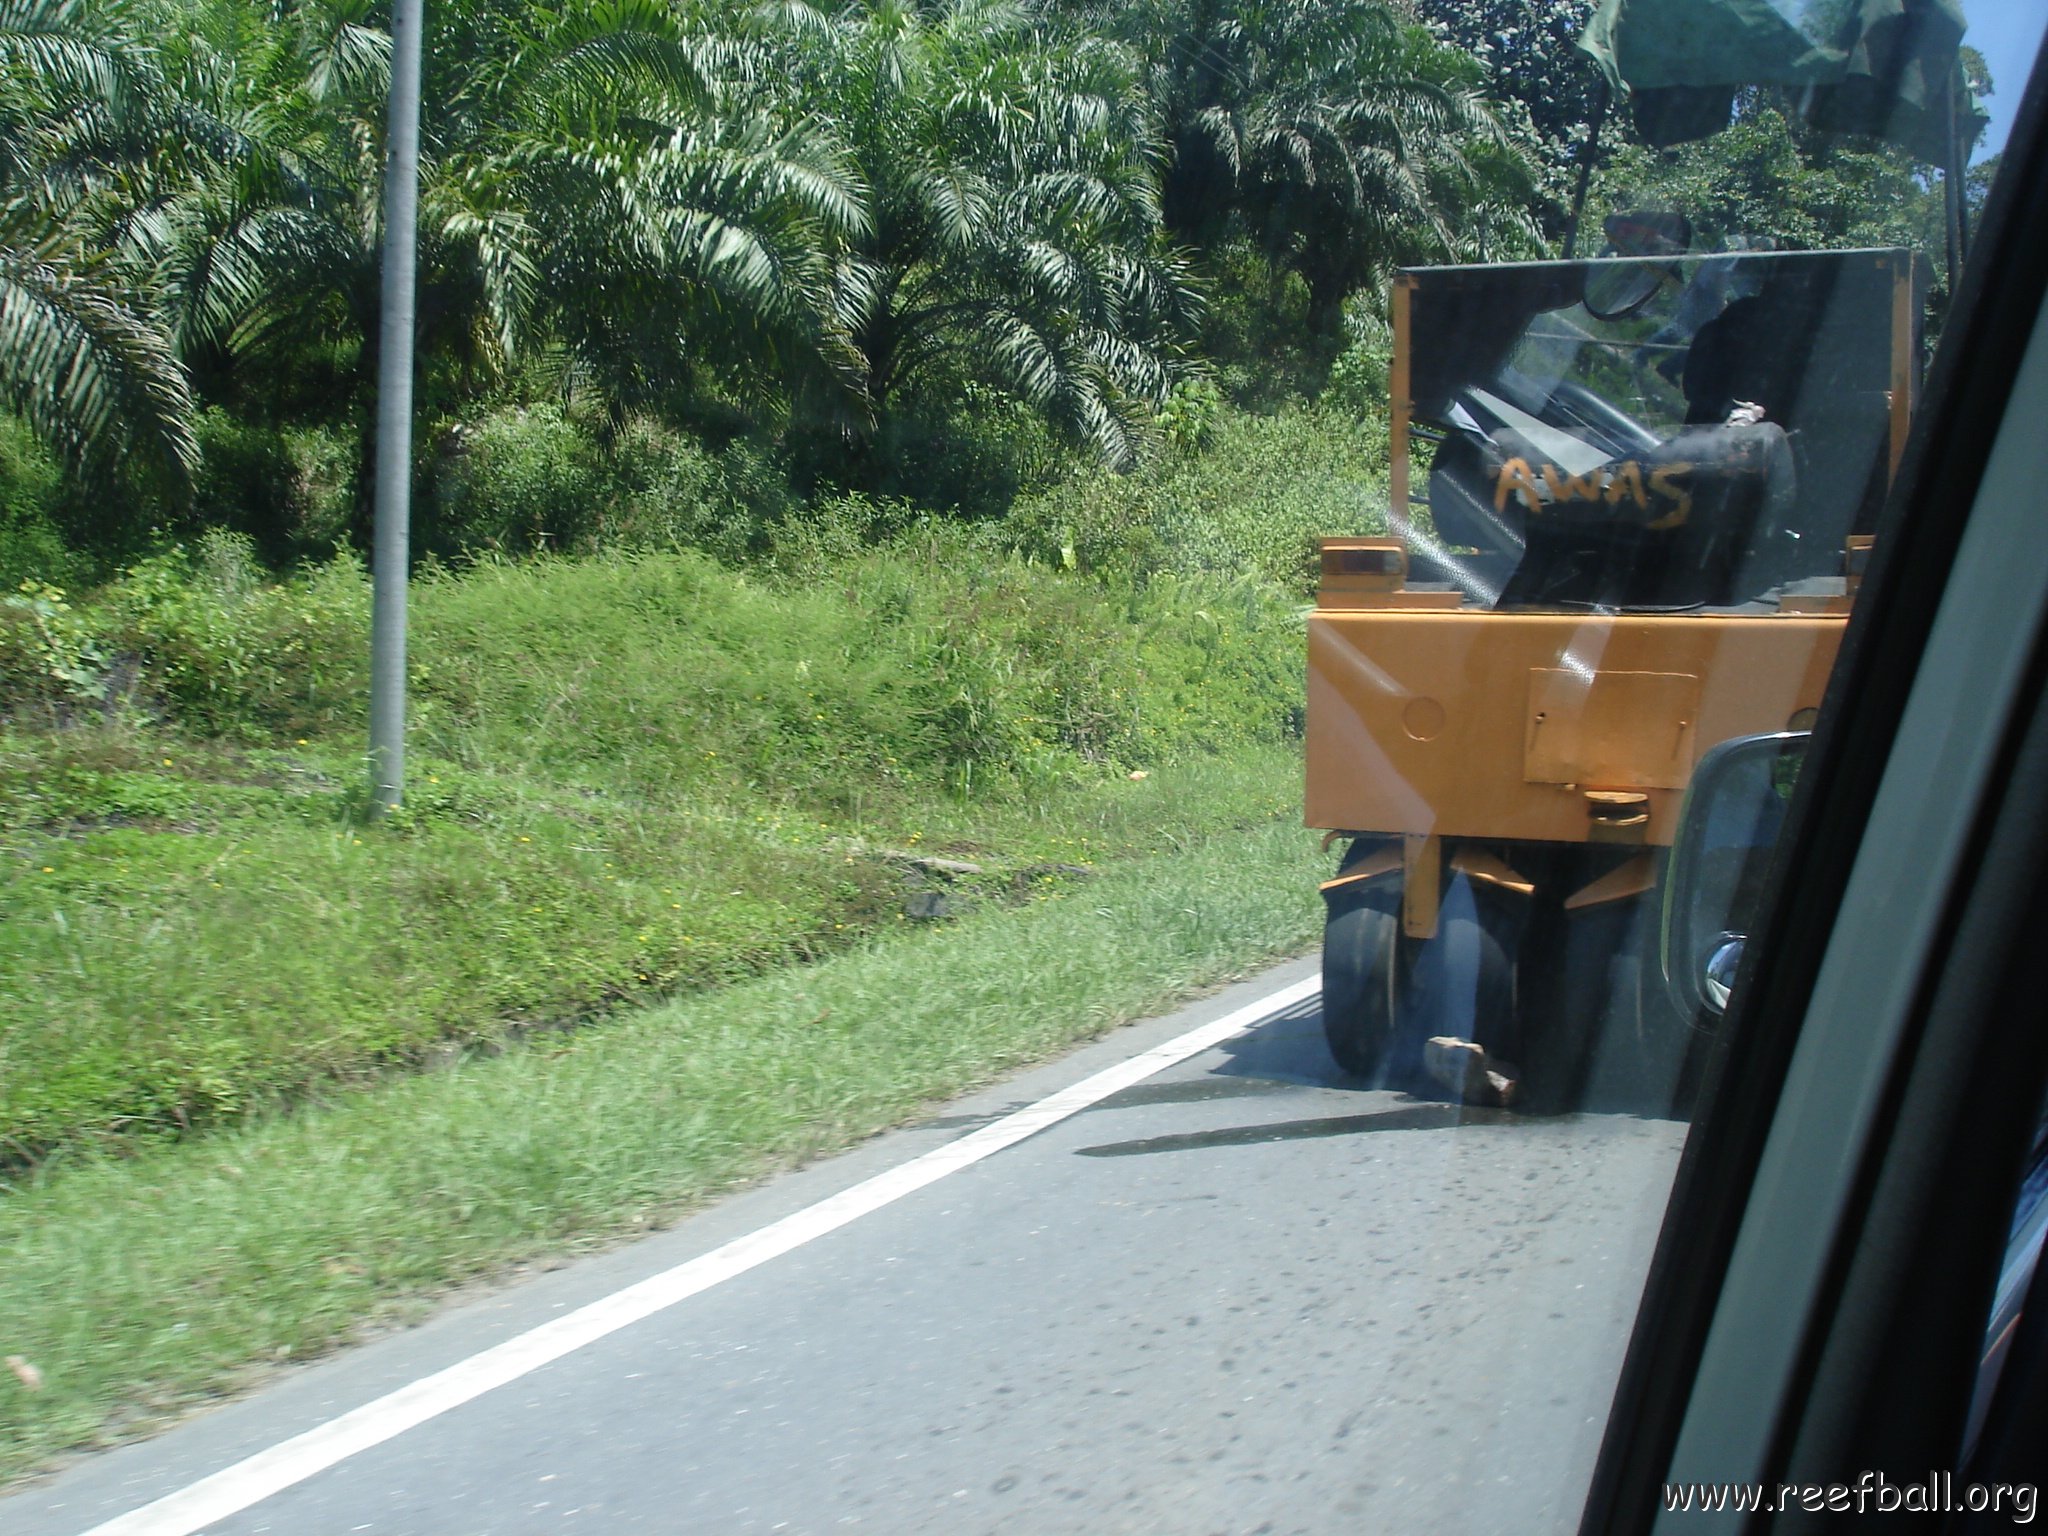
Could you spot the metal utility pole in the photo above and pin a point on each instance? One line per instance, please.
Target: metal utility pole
(394, 413)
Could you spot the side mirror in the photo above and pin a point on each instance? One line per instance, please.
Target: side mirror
(1734, 811)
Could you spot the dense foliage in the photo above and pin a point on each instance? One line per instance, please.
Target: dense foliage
(950, 250)
(1534, 71)
(685, 267)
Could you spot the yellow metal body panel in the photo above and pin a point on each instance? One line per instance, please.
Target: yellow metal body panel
(1473, 723)
(1422, 882)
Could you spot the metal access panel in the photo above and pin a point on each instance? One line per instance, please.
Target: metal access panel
(1608, 729)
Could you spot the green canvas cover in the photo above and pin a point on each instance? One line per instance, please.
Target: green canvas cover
(1881, 67)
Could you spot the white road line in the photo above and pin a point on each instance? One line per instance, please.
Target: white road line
(248, 1482)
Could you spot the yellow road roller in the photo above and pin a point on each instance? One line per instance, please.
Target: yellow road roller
(1631, 499)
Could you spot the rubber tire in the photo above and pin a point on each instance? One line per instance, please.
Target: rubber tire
(1502, 937)
(1362, 977)
(1577, 1006)
(1463, 980)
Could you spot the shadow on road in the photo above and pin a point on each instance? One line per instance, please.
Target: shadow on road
(1288, 1048)
(1413, 1117)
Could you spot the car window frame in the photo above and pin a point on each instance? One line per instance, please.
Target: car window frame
(1679, 1377)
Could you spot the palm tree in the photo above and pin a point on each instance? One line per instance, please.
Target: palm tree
(1336, 133)
(80, 359)
(604, 190)
(1013, 219)
(674, 211)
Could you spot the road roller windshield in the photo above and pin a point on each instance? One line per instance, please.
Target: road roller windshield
(1650, 433)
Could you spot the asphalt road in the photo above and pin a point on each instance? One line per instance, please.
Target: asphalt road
(1241, 1295)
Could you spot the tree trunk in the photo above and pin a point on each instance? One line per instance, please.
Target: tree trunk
(1327, 292)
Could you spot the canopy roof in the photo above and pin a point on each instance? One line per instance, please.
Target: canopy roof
(1883, 67)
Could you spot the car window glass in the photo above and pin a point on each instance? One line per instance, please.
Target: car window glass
(876, 469)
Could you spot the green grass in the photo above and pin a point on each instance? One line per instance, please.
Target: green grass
(154, 979)
(643, 907)
(139, 1284)
(631, 777)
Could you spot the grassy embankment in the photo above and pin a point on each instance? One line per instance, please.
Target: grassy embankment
(636, 778)
(631, 775)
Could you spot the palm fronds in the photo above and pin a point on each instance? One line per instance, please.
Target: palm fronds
(92, 378)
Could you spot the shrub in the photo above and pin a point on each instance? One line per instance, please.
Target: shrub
(1187, 421)
(233, 655)
(522, 479)
(324, 465)
(967, 448)
(1256, 332)
(670, 490)
(289, 489)
(32, 543)
(1254, 504)
(833, 531)
(936, 658)
(1361, 375)
(530, 479)
(937, 655)
(953, 445)
(49, 653)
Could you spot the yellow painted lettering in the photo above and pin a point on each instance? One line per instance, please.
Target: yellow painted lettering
(1515, 478)
(1577, 488)
(1663, 480)
(1627, 480)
